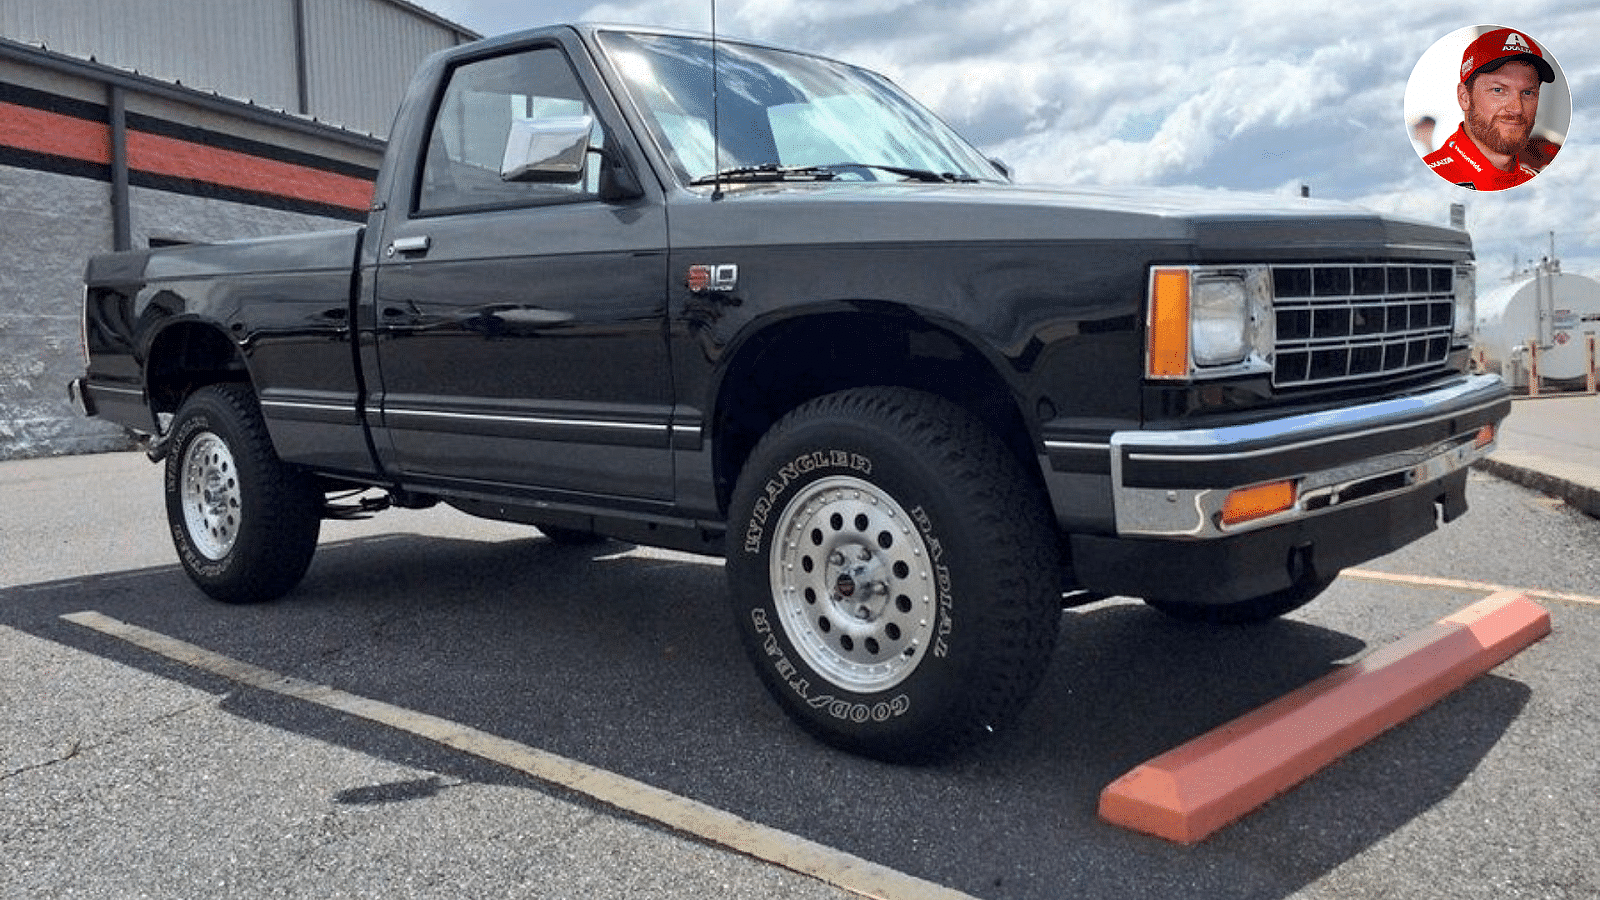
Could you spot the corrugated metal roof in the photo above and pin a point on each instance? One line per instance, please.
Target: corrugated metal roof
(357, 54)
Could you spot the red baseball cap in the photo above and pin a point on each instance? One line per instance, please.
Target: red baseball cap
(1494, 49)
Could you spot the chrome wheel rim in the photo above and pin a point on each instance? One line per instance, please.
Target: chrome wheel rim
(854, 584)
(210, 495)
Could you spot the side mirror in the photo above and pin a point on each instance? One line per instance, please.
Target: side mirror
(548, 151)
(1004, 169)
(618, 184)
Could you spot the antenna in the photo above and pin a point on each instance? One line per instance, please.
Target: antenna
(716, 115)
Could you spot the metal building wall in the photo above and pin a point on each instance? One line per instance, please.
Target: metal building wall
(360, 56)
(344, 62)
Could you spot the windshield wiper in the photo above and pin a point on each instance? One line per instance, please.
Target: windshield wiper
(927, 175)
(768, 172)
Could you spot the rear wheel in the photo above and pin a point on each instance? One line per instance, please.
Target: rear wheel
(244, 524)
(894, 573)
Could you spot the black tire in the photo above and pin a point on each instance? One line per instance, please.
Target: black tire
(244, 524)
(1243, 612)
(918, 606)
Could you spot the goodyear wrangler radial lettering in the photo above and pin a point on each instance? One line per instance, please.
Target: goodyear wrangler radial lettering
(843, 710)
(786, 474)
(941, 572)
(861, 713)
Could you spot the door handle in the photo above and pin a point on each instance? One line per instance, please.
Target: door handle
(534, 317)
(418, 244)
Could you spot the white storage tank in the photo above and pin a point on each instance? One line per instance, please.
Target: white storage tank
(1556, 309)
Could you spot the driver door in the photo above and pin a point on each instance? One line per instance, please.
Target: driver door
(521, 323)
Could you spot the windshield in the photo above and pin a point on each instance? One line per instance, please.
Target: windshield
(783, 116)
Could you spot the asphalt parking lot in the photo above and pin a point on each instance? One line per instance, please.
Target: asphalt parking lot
(125, 773)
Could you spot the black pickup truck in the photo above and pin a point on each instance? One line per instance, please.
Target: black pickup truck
(735, 300)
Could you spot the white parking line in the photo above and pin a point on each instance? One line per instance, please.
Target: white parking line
(797, 854)
(1454, 584)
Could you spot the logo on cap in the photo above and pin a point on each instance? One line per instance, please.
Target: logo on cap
(1493, 49)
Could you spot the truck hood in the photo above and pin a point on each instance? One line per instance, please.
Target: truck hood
(1218, 226)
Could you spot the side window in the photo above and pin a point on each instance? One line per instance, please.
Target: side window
(482, 102)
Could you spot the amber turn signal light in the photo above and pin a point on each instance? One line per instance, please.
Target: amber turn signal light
(1167, 350)
(1249, 504)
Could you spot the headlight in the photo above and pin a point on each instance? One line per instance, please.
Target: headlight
(1219, 320)
(1209, 321)
(1466, 290)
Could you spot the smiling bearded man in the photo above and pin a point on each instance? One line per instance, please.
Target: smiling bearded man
(1501, 73)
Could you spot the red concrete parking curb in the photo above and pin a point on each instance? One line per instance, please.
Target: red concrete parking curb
(1188, 793)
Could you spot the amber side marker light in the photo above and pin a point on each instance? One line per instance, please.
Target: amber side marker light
(1249, 504)
(1167, 350)
(1485, 437)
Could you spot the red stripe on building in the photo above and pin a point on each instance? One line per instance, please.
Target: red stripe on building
(50, 133)
(57, 135)
(181, 159)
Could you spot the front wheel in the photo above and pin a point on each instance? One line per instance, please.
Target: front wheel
(244, 523)
(894, 573)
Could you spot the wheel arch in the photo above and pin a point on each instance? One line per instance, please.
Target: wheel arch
(187, 355)
(783, 363)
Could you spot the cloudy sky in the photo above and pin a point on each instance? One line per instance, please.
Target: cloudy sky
(1245, 95)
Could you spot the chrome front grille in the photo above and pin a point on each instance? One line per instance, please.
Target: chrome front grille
(1345, 322)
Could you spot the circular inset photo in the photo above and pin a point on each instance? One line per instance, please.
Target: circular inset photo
(1488, 107)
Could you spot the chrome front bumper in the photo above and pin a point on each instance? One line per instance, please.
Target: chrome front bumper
(1174, 484)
